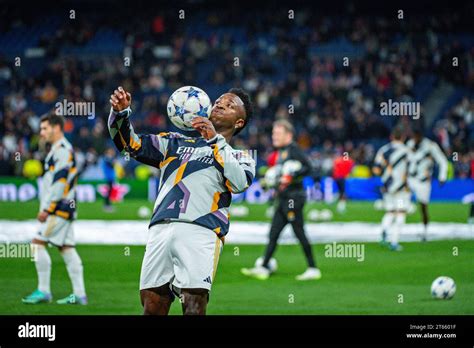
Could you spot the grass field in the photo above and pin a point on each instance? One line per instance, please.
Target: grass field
(373, 286)
(356, 211)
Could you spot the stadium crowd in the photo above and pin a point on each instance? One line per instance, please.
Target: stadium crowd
(293, 68)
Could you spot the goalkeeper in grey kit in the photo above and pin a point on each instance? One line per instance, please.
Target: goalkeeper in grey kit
(291, 166)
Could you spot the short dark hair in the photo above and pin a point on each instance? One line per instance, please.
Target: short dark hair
(248, 105)
(397, 133)
(53, 119)
(418, 130)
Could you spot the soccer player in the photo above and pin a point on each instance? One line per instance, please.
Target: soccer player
(109, 173)
(191, 215)
(57, 213)
(391, 163)
(343, 165)
(425, 153)
(289, 201)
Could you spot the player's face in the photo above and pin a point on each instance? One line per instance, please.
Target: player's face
(227, 112)
(46, 132)
(280, 136)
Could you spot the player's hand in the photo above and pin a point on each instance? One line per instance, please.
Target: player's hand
(204, 126)
(42, 216)
(120, 99)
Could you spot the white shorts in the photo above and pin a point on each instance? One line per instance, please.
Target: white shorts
(57, 231)
(421, 189)
(397, 201)
(180, 253)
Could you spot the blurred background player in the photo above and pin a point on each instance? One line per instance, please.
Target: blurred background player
(109, 174)
(391, 163)
(424, 154)
(57, 212)
(342, 167)
(290, 198)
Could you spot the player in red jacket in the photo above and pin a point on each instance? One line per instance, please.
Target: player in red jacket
(342, 167)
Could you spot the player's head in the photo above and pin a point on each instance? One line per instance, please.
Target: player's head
(51, 127)
(232, 110)
(282, 133)
(397, 134)
(417, 134)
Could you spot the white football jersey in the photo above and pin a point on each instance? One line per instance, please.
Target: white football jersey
(422, 160)
(392, 159)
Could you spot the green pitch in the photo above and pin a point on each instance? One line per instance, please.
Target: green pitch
(383, 283)
(127, 210)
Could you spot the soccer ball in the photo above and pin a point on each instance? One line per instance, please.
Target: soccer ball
(325, 215)
(273, 264)
(443, 288)
(144, 212)
(378, 204)
(185, 103)
(239, 210)
(291, 167)
(271, 176)
(313, 214)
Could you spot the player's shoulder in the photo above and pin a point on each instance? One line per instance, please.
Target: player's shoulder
(385, 148)
(295, 150)
(244, 156)
(64, 147)
(429, 143)
(405, 148)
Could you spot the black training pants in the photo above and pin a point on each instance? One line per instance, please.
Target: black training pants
(289, 209)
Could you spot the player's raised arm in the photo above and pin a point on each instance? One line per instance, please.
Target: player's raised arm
(379, 162)
(148, 149)
(238, 166)
(442, 162)
(300, 170)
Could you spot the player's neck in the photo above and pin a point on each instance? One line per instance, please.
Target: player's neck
(57, 139)
(227, 134)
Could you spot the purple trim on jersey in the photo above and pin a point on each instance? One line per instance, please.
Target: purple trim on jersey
(112, 119)
(171, 206)
(220, 215)
(185, 197)
(154, 142)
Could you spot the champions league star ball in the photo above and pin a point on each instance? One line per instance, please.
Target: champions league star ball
(186, 103)
(443, 288)
(272, 264)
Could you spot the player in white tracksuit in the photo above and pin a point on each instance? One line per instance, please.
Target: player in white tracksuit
(391, 163)
(57, 213)
(424, 155)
